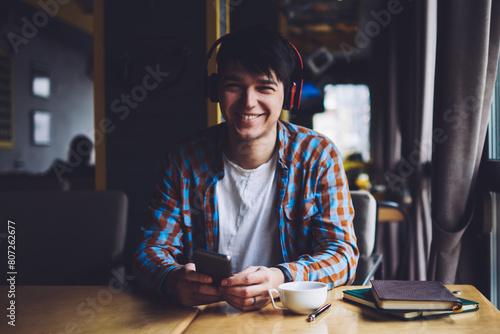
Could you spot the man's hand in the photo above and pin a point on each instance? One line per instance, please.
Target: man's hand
(247, 290)
(190, 287)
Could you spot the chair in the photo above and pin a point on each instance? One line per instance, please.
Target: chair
(365, 222)
(66, 237)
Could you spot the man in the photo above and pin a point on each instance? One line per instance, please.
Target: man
(270, 194)
(78, 163)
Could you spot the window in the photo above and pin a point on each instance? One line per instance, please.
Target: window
(493, 168)
(346, 119)
(494, 126)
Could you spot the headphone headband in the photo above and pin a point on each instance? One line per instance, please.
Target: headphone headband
(293, 90)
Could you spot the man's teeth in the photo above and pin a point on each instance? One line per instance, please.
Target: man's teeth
(249, 116)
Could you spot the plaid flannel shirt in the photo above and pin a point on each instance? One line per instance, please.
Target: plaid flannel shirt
(315, 212)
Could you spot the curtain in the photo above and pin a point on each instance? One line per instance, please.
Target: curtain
(466, 64)
(416, 113)
(404, 57)
(385, 145)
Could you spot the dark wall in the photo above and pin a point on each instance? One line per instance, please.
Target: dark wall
(245, 13)
(67, 53)
(149, 112)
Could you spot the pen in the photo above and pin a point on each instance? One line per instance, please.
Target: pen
(316, 314)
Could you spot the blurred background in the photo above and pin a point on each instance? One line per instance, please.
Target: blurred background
(93, 93)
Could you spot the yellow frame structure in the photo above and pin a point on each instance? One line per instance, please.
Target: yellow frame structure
(9, 143)
(213, 24)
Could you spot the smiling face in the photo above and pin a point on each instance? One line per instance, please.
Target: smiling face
(250, 103)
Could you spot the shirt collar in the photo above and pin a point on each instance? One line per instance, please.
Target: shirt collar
(283, 138)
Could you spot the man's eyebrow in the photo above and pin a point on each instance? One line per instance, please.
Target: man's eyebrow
(237, 78)
(267, 82)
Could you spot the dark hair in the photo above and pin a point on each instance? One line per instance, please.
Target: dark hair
(259, 50)
(81, 146)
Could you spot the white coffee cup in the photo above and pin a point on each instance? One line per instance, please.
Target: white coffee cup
(301, 297)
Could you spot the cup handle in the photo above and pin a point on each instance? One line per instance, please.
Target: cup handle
(272, 299)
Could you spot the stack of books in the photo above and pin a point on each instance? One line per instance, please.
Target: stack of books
(410, 299)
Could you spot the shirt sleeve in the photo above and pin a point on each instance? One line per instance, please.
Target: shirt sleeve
(333, 255)
(161, 234)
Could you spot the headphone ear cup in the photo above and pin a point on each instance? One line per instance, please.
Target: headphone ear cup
(288, 96)
(213, 87)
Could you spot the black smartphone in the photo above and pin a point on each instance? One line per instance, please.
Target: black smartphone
(214, 264)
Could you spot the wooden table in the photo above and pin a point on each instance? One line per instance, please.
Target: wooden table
(108, 309)
(346, 318)
(91, 309)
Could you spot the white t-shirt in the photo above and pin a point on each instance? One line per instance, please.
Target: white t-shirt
(248, 215)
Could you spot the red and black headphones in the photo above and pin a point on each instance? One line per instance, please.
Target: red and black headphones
(293, 90)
